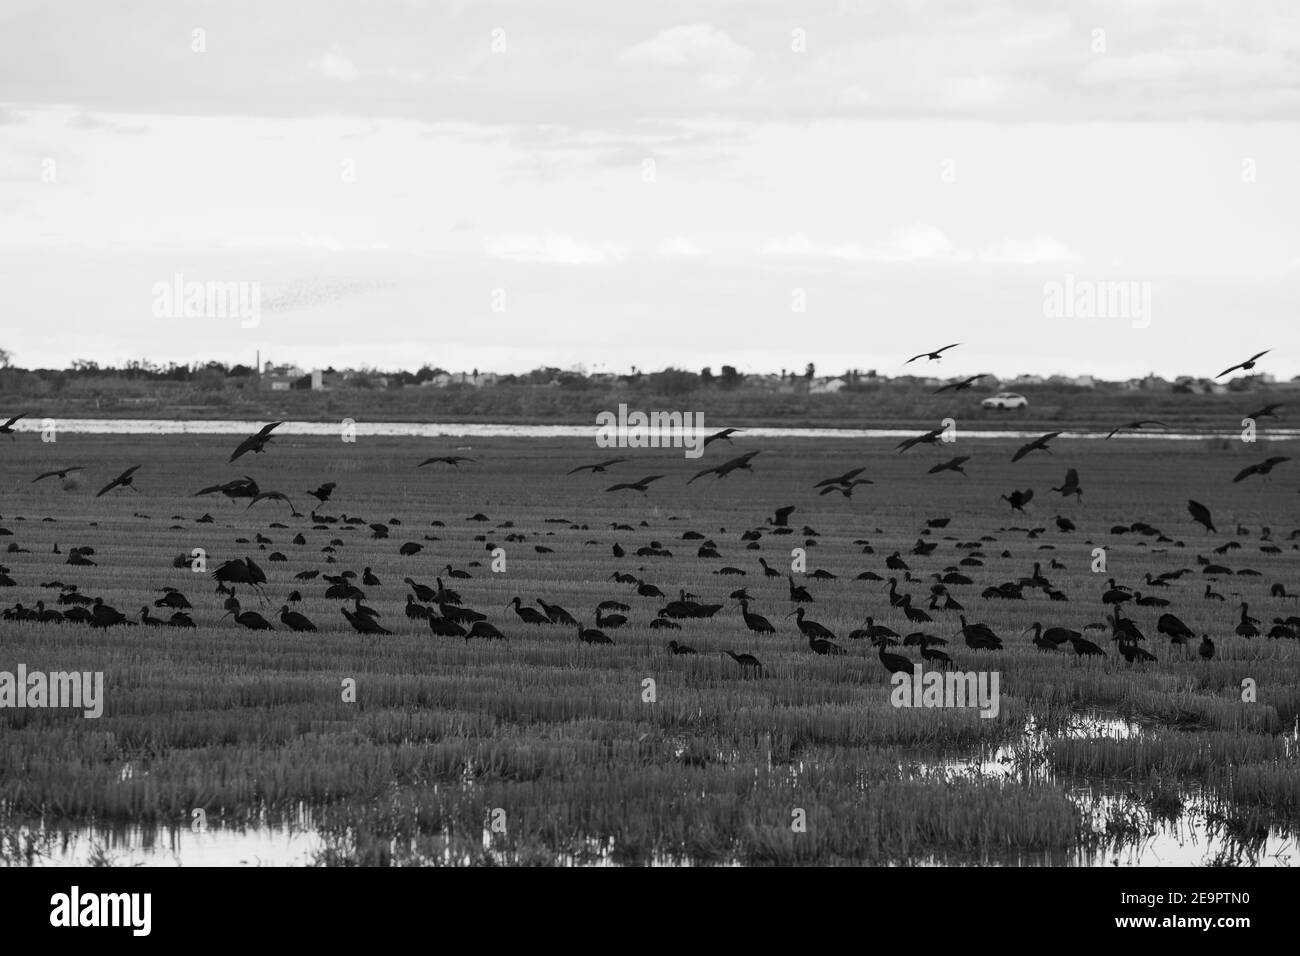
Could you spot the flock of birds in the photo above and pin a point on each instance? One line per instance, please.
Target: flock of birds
(919, 599)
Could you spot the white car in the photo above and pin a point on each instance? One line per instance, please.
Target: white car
(1005, 400)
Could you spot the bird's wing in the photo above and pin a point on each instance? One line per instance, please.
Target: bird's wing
(915, 357)
(267, 429)
(1227, 370)
(1245, 473)
(946, 348)
(14, 419)
(108, 487)
(244, 446)
(1265, 352)
(1021, 452)
(701, 474)
(582, 468)
(129, 472)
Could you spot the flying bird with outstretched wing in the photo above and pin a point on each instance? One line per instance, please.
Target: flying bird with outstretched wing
(60, 472)
(599, 467)
(934, 356)
(1133, 426)
(256, 443)
(125, 479)
(727, 467)
(1245, 366)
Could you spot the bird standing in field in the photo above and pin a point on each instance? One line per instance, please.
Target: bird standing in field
(256, 443)
(934, 356)
(126, 479)
(1245, 366)
(1206, 648)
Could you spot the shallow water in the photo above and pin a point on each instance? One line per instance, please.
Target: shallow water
(139, 846)
(162, 426)
(1199, 834)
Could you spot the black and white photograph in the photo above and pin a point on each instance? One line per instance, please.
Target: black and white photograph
(684, 435)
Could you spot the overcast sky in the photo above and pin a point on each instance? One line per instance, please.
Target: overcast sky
(652, 184)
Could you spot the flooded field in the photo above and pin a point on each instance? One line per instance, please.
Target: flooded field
(406, 746)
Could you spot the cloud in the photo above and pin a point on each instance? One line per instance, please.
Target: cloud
(714, 57)
(334, 66)
(679, 246)
(1027, 251)
(553, 248)
(922, 242)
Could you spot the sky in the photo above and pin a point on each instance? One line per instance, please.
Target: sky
(507, 185)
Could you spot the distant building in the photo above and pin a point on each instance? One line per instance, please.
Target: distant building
(826, 386)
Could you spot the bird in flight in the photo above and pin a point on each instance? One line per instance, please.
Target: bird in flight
(932, 356)
(960, 386)
(61, 472)
(640, 486)
(1018, 499)
(1201, 514)
(8, 427)
(727, 467)
(1260, 468)
(599, 467)
(954, 464)
(843, 479)
(453, 460)
(726, 434)
(1038, 444)
(274, 496)
(782, 518)
(847, 488)
(244, 487)
(256, 443)
(1245, 366)
(1268, 411)
(322, 494)
(125, 479)
(929, 438)
(1071, 485)
(1133, 426)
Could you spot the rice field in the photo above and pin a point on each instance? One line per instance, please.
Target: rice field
(417, 749)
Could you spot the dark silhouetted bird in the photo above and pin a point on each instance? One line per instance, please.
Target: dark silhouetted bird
(1201, 514)
(934, 356)
(255, 443)
(125, 479)
(1245, 366)
(60, 472)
